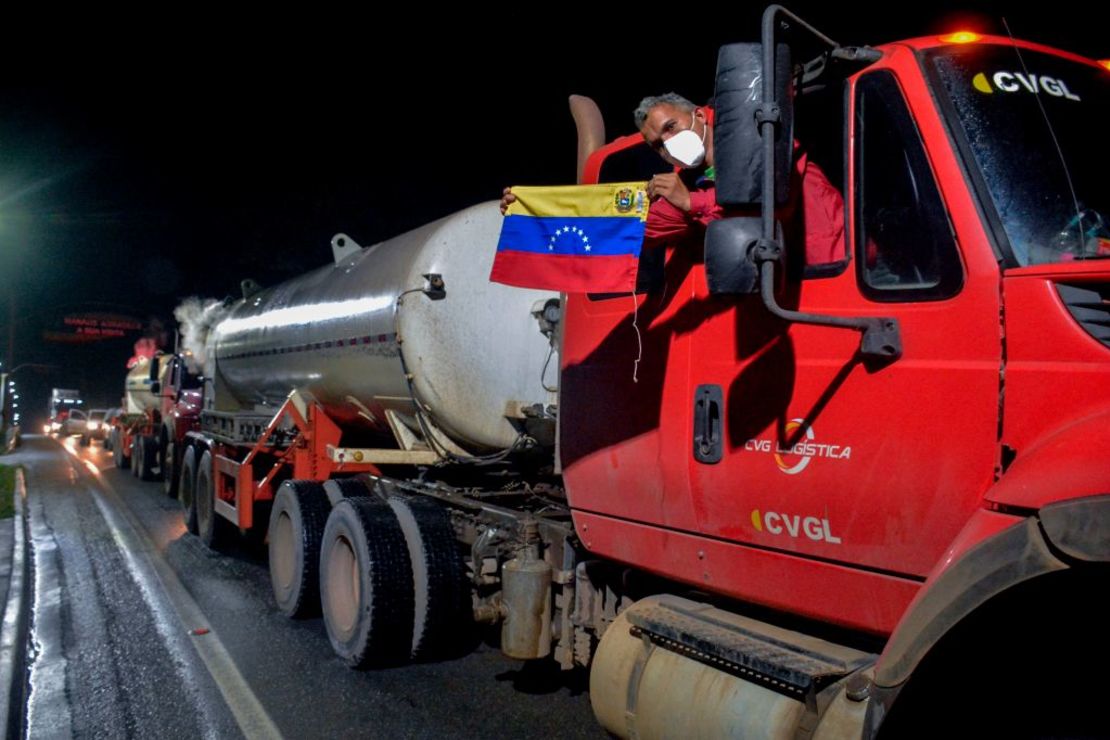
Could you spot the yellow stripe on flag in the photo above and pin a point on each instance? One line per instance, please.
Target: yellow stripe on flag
(627, 199)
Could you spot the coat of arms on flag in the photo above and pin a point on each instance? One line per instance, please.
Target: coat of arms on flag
(575, 239)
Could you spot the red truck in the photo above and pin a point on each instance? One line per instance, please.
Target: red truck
(863, 497)
(161, 403)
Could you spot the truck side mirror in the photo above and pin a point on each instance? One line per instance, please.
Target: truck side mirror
(729, 268)
(155, 388)
(730, 249)
(738, 110)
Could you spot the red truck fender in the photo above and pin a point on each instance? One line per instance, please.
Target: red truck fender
(978, 568)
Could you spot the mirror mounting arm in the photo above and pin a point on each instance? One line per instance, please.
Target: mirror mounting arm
(881, 342)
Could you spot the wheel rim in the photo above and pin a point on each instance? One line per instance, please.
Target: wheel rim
(343, 586)
(282, 560)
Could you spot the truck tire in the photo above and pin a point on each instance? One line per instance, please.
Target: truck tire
(136, 455)
(211, 527)
(167, 462)
(441, 593)
(296, 530)
(117, 451)
(366, 584)
(187, 490)
(148, 457)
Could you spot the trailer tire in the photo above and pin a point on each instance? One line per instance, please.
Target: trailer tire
(187, 490)
(211, 527)
(117, 451)
(441, 594)
(166, 462)
(296, 531)
(136, 455)
(148, 457)
(366, 584)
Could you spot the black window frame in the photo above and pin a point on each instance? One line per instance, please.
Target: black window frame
(884, 82)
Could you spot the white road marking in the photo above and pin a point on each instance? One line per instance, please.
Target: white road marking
(176, 612)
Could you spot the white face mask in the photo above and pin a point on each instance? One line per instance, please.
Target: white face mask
(686, 147)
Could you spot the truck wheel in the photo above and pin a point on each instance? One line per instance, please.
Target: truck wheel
(297, 522)
(187, 492)
(136, 455)
(167, 460)
(148, 457)
(117, 451)
(366, 584)
(441, 594)
(211, 527)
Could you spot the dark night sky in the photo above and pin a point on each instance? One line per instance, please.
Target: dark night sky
(143, 160)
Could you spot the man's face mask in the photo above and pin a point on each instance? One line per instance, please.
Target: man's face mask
(686, 147)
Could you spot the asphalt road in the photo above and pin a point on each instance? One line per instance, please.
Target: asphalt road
(140, 630)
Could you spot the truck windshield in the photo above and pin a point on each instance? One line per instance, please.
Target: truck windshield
(1036, 126)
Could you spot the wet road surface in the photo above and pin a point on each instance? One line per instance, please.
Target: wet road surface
(140, 630)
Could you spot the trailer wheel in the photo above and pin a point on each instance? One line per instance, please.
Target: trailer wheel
(211, 527)
(440, 591)
(136, 455)
(148, 457)
(297, 522)
(187, 491)
(166, 461)
(117, 450)
(366, 584)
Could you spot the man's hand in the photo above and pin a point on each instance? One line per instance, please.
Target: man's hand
(668, 186)
(507, 197)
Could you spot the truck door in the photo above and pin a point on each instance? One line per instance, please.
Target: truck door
(826, 458)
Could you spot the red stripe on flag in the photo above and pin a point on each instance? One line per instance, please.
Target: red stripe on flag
(566, 272)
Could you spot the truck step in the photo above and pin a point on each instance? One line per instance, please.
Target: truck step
(791, 663)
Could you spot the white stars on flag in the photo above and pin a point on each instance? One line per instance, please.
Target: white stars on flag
(574, 232)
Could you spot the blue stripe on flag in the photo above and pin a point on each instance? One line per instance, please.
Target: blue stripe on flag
(581, 235)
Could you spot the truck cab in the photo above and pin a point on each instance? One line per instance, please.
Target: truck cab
(710, 440)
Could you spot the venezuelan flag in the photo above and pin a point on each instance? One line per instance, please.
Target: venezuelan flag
(575, 239)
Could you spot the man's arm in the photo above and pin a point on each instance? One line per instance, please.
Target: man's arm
(665, 223)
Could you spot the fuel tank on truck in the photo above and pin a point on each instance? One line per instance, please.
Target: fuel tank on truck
(473, 349)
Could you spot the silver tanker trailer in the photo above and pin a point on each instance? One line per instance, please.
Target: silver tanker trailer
(408, 402)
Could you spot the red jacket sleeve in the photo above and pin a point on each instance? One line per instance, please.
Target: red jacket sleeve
(666, 223)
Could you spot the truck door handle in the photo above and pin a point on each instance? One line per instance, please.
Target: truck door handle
(708, 405)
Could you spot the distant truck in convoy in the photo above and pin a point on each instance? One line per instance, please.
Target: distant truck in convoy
(860, 498)
(161, 404)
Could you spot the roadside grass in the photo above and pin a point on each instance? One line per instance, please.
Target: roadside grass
(7, 491)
